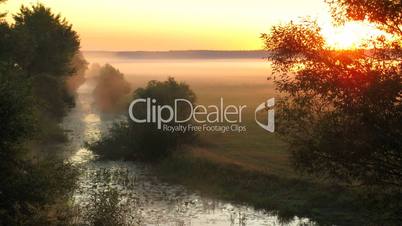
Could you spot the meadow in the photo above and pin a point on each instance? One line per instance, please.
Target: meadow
(254, 149)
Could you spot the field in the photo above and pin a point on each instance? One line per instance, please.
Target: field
(254, 149)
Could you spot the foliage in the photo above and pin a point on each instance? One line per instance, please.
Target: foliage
(27, 188)
(44, 46)
(106, 199)
(145, 141)
(111, 89)
(51, 95)
(30, 191)
(5, 42)
(44, 42)
(35, 56)
(16, 111)
(387, 15)
(341, 111)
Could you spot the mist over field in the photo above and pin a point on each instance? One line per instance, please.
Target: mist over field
(235, 75)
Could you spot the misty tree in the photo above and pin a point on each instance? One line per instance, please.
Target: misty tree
(144, 141)
(80, 66)
(341, 110)
(111, 90)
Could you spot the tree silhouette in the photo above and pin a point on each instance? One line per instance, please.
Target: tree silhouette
(45, 43)
(43, 46)
(341, 110)
(32, 93)
(387, 14)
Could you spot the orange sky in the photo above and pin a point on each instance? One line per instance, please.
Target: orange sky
(177, 24)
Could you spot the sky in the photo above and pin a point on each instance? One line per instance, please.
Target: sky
(150, 25)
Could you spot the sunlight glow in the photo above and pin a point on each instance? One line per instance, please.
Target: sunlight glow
(199, 24)
(174, 24)
(350, 36)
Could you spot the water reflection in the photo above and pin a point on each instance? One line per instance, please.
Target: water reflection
(147, 201)
(152, 202)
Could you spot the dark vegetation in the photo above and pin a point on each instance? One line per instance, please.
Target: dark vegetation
(111, 91)
(107, 204)
(144, 141)
(342, 110)
(36, 58)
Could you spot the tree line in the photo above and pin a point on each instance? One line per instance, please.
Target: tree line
(39, 62)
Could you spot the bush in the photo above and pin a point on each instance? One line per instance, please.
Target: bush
(129, 140)
(31, 191)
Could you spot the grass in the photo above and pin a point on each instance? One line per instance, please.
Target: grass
(255, 149)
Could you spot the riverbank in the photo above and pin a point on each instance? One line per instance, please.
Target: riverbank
(322, 202)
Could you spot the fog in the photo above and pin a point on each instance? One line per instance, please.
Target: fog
(206, 71)
(234, 79)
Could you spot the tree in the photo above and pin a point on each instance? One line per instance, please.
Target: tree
(1, 13)
(386, 14)
(45, 43)
(28, 189)
(16, 102)
(44, 46)
(341, 110)
(155, 142)
(5, 40)
(111, 90)
(144, 141)
(17, 114)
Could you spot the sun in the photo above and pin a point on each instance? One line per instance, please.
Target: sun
(351, 35)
